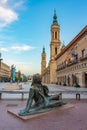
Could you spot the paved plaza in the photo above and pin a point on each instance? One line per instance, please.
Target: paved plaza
(70, 119)
(67, 91)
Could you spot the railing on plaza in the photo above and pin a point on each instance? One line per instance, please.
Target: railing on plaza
(76, 92)
(69, 91)
(13, 92)
(60, 92)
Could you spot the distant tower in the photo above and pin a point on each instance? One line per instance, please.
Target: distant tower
(55, 38)
(43, 62)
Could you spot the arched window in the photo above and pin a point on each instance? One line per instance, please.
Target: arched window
(83, 53)
(55, 50)
(52, 35)
(55, 35)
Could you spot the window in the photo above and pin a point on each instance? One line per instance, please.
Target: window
(55, 50)
(76, 57)
(55, 35)
(52, 35)
(43, 58)
(83, 53)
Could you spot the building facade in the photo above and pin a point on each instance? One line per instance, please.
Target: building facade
(72, 62)
(5, 72)
(49, 73)
(67, 64)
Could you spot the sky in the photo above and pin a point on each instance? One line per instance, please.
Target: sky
(25, 28)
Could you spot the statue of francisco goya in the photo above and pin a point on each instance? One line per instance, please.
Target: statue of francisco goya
(39, 100)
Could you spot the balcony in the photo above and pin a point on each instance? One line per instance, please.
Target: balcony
(72, 62)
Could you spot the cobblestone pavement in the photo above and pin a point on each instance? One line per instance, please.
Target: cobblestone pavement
(68, 92)
(72, 119)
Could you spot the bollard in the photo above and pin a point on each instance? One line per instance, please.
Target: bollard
(60, 96)
(22, 96)
(77, 96)
(0, 96)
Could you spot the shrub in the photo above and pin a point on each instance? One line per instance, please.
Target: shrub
(76, 85)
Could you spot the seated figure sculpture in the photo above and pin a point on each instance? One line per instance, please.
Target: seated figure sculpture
(39, 99)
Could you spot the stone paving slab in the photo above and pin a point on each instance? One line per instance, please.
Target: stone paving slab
(71, 119)
(15, 111)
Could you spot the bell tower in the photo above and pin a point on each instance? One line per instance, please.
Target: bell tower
(43, 62)
(54, 48)
(55, 38)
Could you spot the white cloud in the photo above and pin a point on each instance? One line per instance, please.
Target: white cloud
(7, 16)
(20, 63)
(16, 48)
(9, 12)
(4, 49)
(21, 48)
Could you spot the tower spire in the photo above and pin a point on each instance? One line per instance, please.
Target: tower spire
(43, 50)
(55, 18)
(43, 62)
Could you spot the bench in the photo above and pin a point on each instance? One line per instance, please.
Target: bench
(74, 92)
(22, 93)
(13, 92)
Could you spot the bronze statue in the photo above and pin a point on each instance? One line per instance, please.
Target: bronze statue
(39, 100)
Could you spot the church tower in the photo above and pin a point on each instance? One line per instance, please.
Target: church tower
(43, 62)
(55, 38)
(54, 48)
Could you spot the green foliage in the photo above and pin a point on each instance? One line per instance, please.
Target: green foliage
(76, 85)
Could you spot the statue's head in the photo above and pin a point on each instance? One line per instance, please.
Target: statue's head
(36, 79)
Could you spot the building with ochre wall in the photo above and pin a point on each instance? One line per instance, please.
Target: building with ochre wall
(5, 72)
(49, 73)
(72, 62)
(67, 64)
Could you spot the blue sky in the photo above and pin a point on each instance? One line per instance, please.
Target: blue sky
(25, 29)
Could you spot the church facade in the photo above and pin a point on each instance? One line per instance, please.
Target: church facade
(67, 64)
